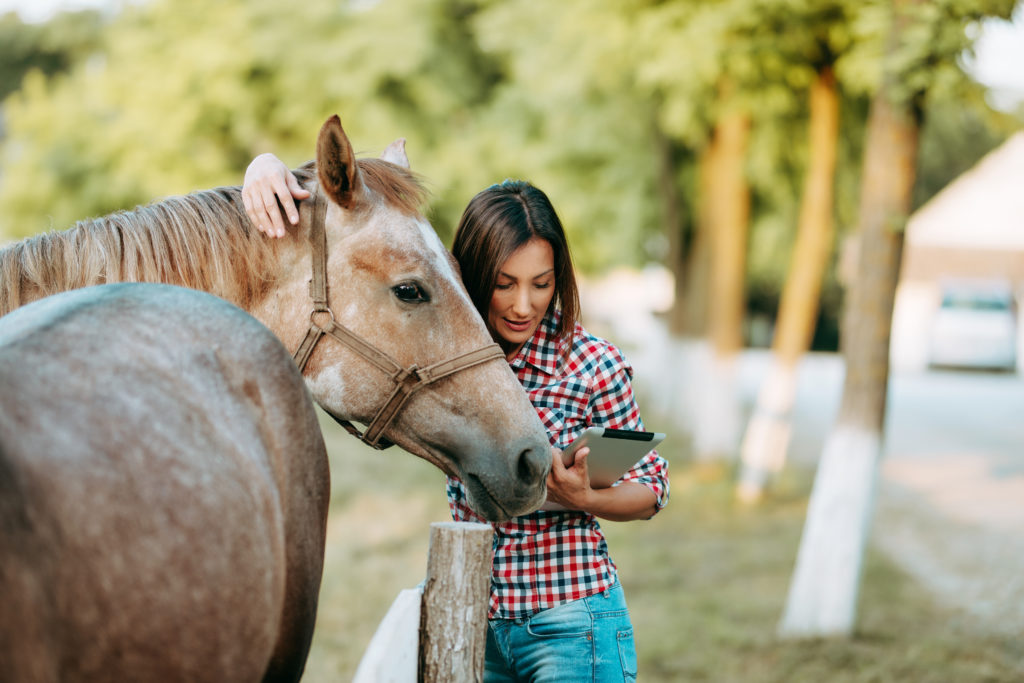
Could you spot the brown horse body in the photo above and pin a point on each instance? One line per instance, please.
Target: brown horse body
(163, 492)
(158, 517)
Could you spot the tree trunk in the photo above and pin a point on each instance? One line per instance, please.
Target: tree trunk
(687, 260)
(767, 437)
(679, 231)
(727, 206)
(823, 593)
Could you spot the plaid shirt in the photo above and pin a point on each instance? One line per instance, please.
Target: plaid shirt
(546, 558)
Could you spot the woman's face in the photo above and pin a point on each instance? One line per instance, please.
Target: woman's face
(522, 293)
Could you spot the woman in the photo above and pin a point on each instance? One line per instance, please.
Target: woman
(557, 611)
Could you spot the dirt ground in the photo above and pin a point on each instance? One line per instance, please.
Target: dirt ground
(958, 527)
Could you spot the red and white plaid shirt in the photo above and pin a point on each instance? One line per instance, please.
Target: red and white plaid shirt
(546, 558)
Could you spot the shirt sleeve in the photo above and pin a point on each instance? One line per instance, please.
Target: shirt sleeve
(613, 405)
(652, 472)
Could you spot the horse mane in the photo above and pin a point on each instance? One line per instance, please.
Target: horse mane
(203, 240)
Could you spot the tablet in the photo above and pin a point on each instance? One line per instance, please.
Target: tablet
(613, 452)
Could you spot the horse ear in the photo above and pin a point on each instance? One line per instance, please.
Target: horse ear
(336, 164)
(395, 153)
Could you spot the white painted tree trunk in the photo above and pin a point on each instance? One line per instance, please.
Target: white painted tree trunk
(715, 405)
(763, 452)
(823, 593)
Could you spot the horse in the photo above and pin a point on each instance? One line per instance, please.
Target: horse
(383, 334)
(163, 491)
(409, 353)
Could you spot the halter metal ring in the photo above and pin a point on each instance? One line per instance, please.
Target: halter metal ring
(330, 318)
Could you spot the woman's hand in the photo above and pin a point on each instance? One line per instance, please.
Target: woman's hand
(269, 186)
(569, 486)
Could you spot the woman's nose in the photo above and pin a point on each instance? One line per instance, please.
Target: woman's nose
(521, 305)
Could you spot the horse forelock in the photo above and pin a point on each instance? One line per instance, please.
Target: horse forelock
(394, 185)
(397, 186)
(201, 240)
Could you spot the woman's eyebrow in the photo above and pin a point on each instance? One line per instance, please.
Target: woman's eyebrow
(547, 272)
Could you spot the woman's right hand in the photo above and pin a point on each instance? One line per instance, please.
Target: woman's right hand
(269, 186)
(569, 486)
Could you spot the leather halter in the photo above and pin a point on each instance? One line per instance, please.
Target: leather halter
(407, 380)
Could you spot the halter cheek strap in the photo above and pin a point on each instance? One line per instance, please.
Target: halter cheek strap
(407, 380)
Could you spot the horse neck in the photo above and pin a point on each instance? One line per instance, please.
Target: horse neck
(201, 241)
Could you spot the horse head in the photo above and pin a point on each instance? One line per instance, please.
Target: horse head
(397, 333)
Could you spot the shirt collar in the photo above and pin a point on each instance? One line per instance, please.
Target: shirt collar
(543, 351)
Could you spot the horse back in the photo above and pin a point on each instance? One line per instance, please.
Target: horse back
(163, 491)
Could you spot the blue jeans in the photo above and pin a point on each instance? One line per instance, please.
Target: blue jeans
(588, 640)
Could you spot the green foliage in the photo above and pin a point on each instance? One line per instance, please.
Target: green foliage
(571, 120)
(955, 136)
(50, 48)
(169, 97)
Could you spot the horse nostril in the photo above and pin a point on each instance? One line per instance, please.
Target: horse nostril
(532, 465)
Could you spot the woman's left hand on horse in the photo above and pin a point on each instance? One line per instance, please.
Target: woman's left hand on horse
(269, 186)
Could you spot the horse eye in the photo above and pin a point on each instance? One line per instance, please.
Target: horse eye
(411, 293)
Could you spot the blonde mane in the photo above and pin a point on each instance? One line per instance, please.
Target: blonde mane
(202, 240)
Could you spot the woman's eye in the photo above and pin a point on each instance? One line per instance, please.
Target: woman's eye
(411, 293)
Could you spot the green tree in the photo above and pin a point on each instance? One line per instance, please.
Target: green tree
(815, 47)
(50, 48)
(188, 92)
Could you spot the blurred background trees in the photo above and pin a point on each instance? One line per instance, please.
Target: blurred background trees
(612, 107)
(674, 133)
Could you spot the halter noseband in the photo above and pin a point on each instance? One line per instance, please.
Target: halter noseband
(407, 380)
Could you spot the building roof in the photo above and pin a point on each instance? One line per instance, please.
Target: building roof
(981, 209)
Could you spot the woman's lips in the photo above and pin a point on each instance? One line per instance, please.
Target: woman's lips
(517, 326)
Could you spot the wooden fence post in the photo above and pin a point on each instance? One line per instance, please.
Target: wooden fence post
(453, 617)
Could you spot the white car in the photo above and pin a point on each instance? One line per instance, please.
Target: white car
(975, 327)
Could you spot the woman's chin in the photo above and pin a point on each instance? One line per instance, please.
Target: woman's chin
(516, 336)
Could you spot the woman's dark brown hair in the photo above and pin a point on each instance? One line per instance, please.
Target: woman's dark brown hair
(497, 222)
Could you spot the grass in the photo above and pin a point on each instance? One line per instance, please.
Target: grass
(705, 579)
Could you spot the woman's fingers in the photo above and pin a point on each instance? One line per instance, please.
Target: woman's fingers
(269, 187)
(275, 197)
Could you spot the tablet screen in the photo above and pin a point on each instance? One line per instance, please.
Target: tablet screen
(612, 452)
